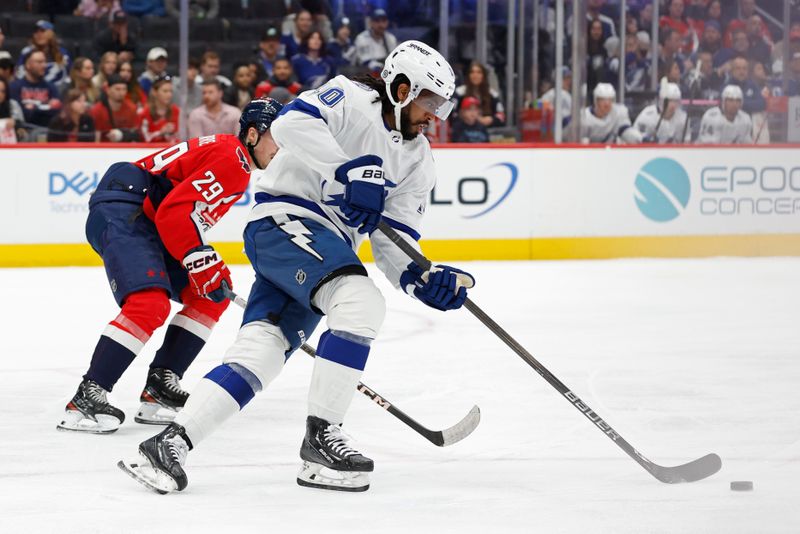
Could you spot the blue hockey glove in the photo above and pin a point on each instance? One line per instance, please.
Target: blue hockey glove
(364, 192)
(443, 287)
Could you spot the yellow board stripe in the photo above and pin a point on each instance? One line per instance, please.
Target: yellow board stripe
(555, 248)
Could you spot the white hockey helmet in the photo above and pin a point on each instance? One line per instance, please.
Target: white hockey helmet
(669, 91)
(732, 92)
(425, 68)
(604, 90)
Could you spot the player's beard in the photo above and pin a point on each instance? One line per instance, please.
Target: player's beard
(409, 131)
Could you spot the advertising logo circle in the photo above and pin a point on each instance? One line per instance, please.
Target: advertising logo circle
(662, 189)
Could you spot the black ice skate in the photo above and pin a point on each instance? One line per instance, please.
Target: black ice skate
(329, 462)
(160, 463)
(161, 398)
(89, 411)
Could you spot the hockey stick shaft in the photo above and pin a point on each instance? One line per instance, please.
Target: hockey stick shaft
(459, 431)
(567, 393)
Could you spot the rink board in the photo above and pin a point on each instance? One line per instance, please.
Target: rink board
(498, 202)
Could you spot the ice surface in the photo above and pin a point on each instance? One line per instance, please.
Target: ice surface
(682, 357)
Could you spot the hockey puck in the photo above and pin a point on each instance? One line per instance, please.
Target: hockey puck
(742, 485)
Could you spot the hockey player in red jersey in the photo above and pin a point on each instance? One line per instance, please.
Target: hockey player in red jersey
(147, 221)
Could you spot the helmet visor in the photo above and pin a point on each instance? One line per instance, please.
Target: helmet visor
(435, 104)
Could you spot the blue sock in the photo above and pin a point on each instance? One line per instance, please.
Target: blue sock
(178, 351)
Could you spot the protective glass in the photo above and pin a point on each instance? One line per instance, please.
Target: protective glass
(433, 103)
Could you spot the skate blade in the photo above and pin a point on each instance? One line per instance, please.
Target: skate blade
(75, 421)
(154, 414)
(313, 475)
(142, 471)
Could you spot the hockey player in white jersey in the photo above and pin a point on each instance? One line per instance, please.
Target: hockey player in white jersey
(350, 155)
(606, 121)
(666, 115)
(727, 124)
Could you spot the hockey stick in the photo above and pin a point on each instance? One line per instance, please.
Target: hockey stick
(689, 472)
(440, 438)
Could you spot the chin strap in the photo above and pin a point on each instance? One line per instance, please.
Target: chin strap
(252, 152)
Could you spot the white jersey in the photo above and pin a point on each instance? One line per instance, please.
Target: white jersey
(565, 102)
(329, 126)
(616, 125)
(669, 131)
(715, 128)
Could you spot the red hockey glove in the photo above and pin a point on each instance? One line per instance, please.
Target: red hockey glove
(207, 273)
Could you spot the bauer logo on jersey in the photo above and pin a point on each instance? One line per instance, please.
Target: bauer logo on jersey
(331, 97)
(662, 189)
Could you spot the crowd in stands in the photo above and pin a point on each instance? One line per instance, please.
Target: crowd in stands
(116, 80)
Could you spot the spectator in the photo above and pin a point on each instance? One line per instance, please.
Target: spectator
(214, 116)
(312, 66)
(269, 49)
(747, 8)
(156, 67)
(141, 8)
(671, 71)
(39, 98)
(115, 116)
(760, 77)
(477, 85)
(759, 49)
(209, 68)
(158, 120)
(198, 9)
(596, 56)
(11, 116)
(57, 60)
(135, 94)
(107, 67)
(793, 86)
(72, 123)
(321, 13)
(194, 91)
(282, 76)
(637, 64)
(341, 47)
(467, 127)
(714, 13)
(711, 41)
(281, 94)
(593, 13)
(687, 29)
(80, 77)
(727, 123)
(117, 38)
(565, 101)
(777, 49)
(257, 72)
(374, 44)
(670, 42)
(606, 121)
(646, 18)
(240, 92)
(753, 100)
(302, 27)
(703, 82)
(98, 9)
(6, 66)
(2, 38)
(741, 47)
(670, 121)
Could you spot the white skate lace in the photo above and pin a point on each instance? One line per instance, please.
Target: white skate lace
(337, 440)
(96, 393)
(171, 381)
(178, 448)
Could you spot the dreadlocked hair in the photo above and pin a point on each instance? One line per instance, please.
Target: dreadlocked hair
(376, 84)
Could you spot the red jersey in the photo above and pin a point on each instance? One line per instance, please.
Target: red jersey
(150, 128)
(197, 182)
(124, 118)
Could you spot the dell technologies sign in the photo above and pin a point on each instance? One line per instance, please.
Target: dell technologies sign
(480, 193)
(663, 190)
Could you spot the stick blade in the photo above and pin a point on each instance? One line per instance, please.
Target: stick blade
(462, 429)
(690, 472)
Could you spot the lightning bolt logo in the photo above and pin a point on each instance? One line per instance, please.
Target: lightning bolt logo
(298, 231)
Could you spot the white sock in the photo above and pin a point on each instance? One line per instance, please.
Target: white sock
(332, 389)
(208, 407)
